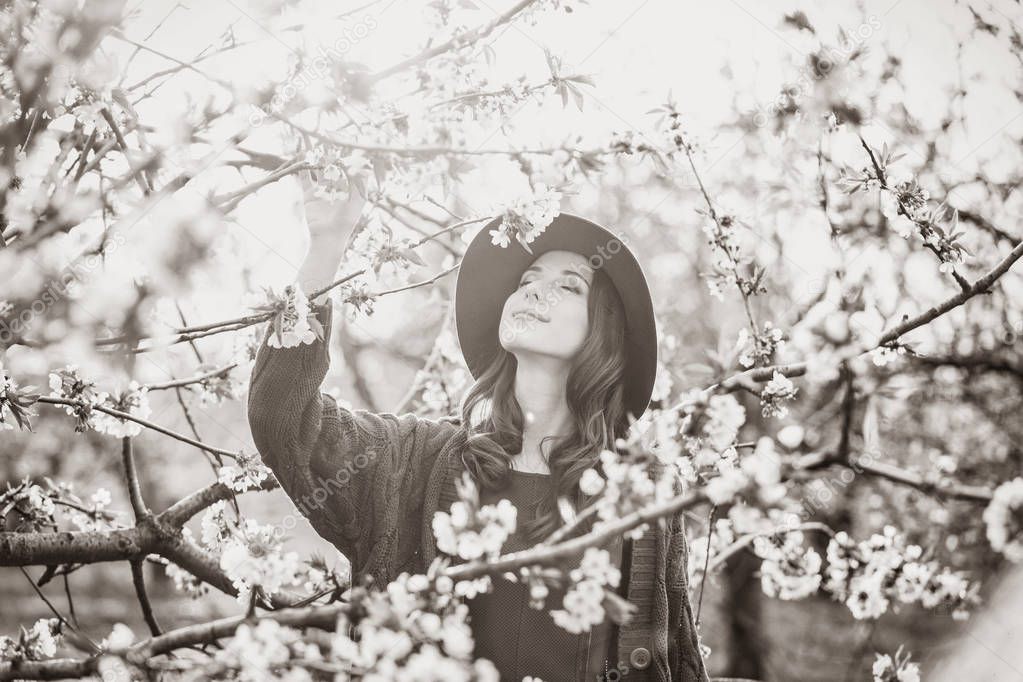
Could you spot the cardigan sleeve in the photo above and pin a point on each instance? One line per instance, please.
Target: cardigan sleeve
(357, 475)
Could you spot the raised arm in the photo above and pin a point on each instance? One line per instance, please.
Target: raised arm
(357, 475)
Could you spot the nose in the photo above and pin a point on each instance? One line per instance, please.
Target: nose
(532, 292)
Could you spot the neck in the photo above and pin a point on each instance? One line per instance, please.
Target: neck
(540, 392)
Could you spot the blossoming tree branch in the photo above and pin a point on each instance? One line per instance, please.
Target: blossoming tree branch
(111, 227)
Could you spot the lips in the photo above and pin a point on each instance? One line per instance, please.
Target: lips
(527, 314)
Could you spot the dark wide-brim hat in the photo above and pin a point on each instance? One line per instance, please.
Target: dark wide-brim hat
(489, 273)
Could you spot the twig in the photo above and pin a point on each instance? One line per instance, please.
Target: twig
(197, 332)
(879, 172)
(907, 325)
(544, 555)
(180, 383)
(138, 578)
(144, 422)
(138, 505)
(703, 578)
(108, 117)
(466, 38)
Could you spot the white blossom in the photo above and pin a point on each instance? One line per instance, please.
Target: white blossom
(133, 400)
(591, 482)
(1002, 520)
(246, 473)
(120, 637)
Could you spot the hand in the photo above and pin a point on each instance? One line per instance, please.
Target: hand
(330, 226)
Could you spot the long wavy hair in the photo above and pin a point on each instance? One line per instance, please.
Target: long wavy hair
(595, 393)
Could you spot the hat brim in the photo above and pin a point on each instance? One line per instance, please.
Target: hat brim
(489, 273)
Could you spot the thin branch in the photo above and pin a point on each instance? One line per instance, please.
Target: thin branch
(868, 465)
(178, 514)
(144, 422)
(138, 578)
(457, 41)
(879, 172)
(981, 286)
(703, 578)
(138, 505)
(179, 383)
(135, 171)
(191, 333)
(571, 549)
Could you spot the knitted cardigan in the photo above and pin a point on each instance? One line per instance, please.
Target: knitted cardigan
(370, 483)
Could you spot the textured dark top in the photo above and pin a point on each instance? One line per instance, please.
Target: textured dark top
(519, 639)
(371, 482)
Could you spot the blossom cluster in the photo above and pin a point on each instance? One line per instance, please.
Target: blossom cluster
(905, 204)
(292, 323)
(469, 531)
(133, 400)
(246, 473)
(628, 487)
(775, 392)
(1003, 519)
(899, 669)
(761, 468)
(527, 217)
(36, 643)
(36, 507)
(339, 173)
(759, 349)
(711, 425)
(214, 390)
(789, 569)
(415, 629)
(583, 602)
(251, 554)
(68, 383)
(264, 651)
(725, 416)
(716, 541)
(14, 402)
(871, 575)
(184, 581)
(32, 504)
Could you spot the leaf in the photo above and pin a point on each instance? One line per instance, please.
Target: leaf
(552, 63)
(518, 238)
(562, 90)
(585, 80)
(578, 96)
(490, 54)
(411, 256)
(799, 20)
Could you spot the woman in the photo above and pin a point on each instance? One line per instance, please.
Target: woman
(562, 344)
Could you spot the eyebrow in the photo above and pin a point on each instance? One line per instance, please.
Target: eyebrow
(536, 268)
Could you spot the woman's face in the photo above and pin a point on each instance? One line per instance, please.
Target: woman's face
(547, 314)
